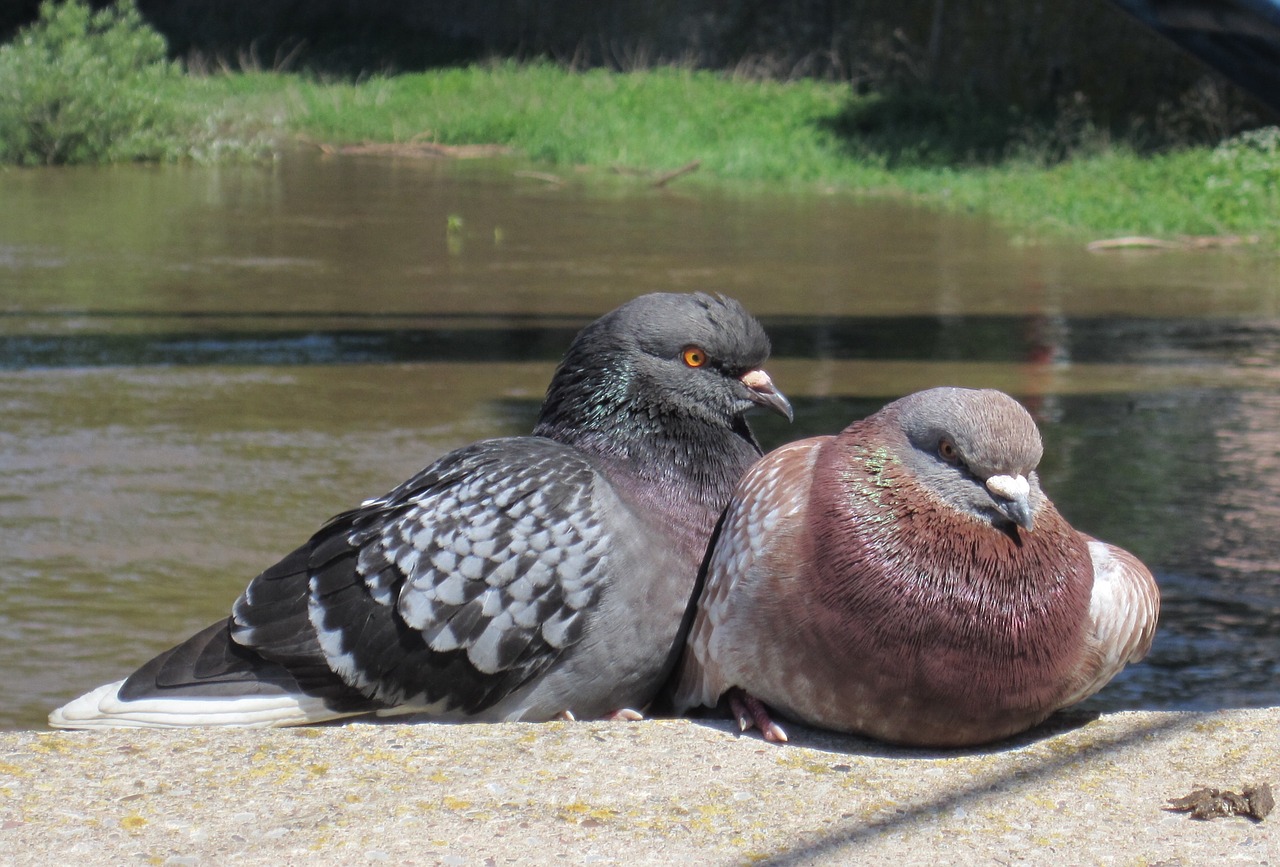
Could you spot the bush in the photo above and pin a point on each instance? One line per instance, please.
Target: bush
(1246, 174)
(83, 86)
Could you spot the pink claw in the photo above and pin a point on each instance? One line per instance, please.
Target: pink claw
(751, 713)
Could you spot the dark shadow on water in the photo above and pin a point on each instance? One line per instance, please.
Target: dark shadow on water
(263, 347)
(544, 337)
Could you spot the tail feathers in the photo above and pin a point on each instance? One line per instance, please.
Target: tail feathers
(210, 680)
(103, 708)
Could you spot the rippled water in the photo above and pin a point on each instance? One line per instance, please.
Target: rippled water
(198, 366)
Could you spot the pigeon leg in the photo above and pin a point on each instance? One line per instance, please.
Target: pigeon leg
(750, 712)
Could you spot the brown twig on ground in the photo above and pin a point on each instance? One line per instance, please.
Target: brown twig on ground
(1183, 242)
(417, 149)
(664, 179)
(554, 180)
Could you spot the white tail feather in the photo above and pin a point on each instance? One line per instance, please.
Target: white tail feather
(103, 708)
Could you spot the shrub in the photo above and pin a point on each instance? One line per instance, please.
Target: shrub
(1246, 174)
(83, 86)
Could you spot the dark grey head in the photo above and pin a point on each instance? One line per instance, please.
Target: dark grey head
(976, 449)
(662, 363)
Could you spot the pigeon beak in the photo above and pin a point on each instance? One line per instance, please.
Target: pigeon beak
(763, 393)
(1013, 494)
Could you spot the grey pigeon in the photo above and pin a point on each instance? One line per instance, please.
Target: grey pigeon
(909, 580)
(524, 578)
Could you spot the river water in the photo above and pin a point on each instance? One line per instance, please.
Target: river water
(198, 366)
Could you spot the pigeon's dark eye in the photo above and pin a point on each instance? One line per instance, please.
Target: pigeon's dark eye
(693, 356)
(948, 452)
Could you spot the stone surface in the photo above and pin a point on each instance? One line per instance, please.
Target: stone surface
(1083, 791)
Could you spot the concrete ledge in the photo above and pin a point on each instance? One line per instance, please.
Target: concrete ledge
(655, 792)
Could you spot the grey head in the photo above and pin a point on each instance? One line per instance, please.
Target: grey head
(976, 449)
(662, 364)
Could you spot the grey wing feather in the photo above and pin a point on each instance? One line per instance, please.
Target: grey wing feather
(493, 573)
(452, 591)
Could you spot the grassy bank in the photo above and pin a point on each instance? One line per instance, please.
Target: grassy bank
(94, 88)
(797, 133)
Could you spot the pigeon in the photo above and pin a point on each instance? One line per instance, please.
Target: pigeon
(908, 580)
(520, 578)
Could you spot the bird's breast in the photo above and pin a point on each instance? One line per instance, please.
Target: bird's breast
(944, 606)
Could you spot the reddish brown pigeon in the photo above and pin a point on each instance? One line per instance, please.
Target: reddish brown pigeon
(908, 580)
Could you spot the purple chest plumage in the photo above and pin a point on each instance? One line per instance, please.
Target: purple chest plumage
(940, 611)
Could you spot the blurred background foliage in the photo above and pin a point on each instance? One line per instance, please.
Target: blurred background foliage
(1068, 115)
(936, 62)
(79, 85)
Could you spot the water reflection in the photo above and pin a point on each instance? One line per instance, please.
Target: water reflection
(276, 338)
(197, 367)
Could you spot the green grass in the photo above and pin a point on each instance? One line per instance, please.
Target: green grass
(1230, 190)
(656, 119)
(96, 88)
(792, 133)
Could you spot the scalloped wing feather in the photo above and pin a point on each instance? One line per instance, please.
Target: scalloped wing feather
(452, 591)
(1123, 613)
(745, 561)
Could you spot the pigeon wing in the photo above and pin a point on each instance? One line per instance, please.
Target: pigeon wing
(447, 594)
(1123, 612)
(753, 558)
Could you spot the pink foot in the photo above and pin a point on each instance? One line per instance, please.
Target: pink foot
(625, 714)
(750, 712)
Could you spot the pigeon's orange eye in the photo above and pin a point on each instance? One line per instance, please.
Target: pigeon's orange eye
(693, 356)
(948, 452)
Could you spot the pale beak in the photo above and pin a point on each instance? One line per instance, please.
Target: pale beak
(765, 394)
(1014, 494)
